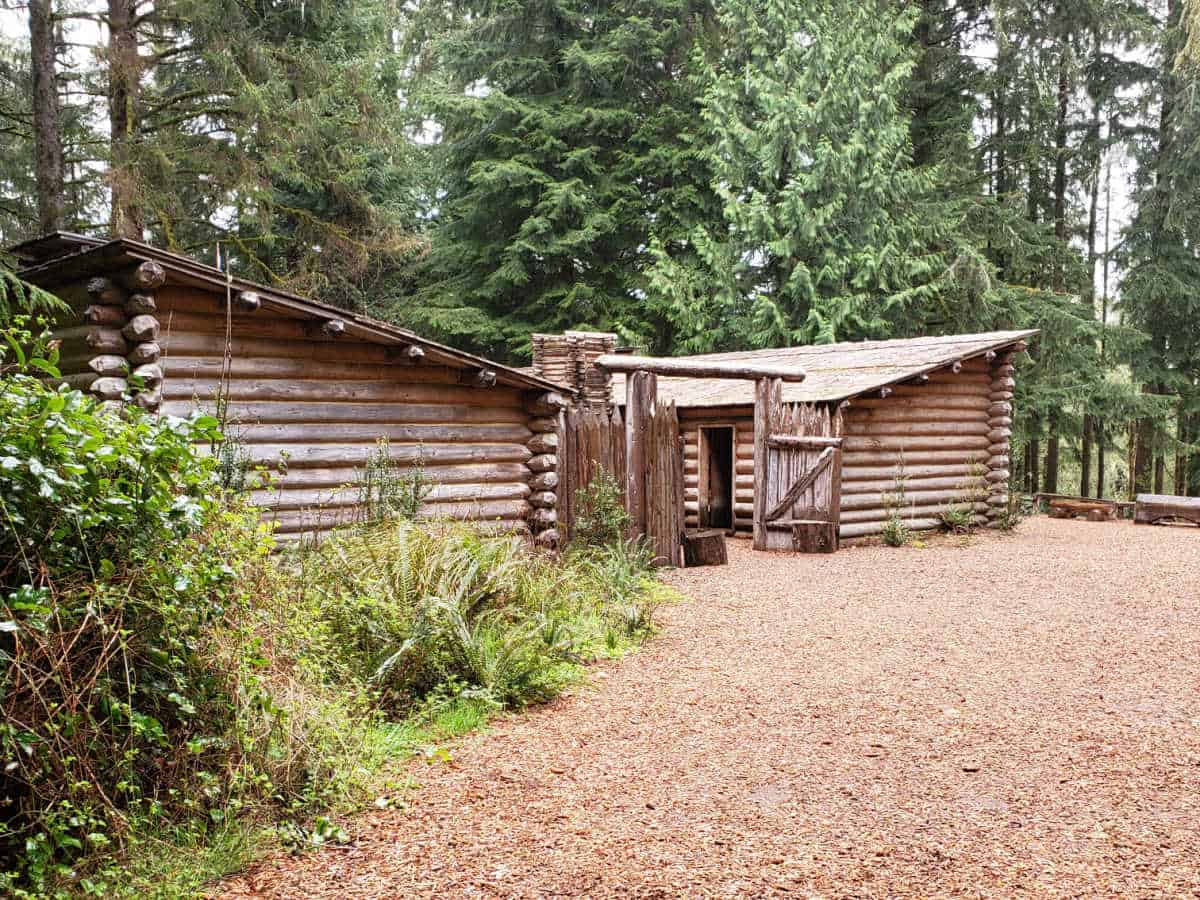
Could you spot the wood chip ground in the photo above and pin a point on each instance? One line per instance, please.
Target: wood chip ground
(1016, 716)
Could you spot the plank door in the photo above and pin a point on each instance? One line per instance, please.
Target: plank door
(797, 473)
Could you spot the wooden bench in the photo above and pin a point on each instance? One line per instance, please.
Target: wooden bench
(1155, 509)
(1095, 510)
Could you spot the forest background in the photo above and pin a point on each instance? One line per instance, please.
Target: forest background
(696, 176)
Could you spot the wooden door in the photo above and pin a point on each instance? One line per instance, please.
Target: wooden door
(797, 473)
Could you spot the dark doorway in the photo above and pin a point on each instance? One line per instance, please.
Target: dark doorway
(716, 477)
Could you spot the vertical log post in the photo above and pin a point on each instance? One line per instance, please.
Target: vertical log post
(641, 395)
(767, 392)
(999, 467)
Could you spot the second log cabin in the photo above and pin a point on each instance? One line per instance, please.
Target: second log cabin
(932, 413)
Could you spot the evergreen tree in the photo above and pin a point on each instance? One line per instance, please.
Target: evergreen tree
(829, 230)
(568, 143)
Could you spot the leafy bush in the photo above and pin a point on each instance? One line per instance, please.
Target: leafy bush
(600, 516)
(79, 487)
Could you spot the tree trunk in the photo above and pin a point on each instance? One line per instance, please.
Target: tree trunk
(1035, 449)
(47, 128)
(1085, 458)
(1098, 426)
(1050, 475)
(124, 70)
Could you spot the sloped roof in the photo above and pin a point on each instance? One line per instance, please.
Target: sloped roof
(61, 257)
(834, 371)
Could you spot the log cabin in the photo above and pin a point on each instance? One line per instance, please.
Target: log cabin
(304, 382)
(935, 412)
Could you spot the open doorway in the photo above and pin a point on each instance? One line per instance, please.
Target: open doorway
(716, 476)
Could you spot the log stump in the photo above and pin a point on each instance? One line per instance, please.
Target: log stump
(704, 548)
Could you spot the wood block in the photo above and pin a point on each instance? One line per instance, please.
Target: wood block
(814, 537)
(705, 548)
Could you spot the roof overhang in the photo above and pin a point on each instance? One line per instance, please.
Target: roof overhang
(91, 258)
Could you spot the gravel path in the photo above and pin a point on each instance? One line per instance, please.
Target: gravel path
(1019, 715)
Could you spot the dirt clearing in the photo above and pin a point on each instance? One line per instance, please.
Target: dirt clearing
(1019, 715)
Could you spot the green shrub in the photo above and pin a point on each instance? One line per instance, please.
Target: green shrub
(957, 519)
(600, 516)
(895, 533)
(79, 487)
(385, 491)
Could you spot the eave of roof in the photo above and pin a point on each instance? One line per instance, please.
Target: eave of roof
(99, 259)
(835, 371)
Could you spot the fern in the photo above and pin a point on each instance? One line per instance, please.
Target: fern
(18, 297)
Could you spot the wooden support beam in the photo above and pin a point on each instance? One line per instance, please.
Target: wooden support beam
(688, 368)
(483, 378)
(640, 396)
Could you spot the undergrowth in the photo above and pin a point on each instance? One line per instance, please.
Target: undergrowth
(172, 691)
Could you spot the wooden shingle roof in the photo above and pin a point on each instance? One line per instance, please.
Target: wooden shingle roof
(835, 371)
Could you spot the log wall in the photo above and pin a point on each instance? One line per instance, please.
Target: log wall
(109, 342)
(310, 394)
(952, 432)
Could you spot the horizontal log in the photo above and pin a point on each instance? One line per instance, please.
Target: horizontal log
(851, 474)
(211, 365)
(275, 389)
(999, 422)
(912, 511)
(892, 458)
(998, 475)
(148, 398)
(150, 374)
(141, 305)
(107, 364)
(1003, 384)
(880, 418)
(145, 276)
(968, 443)
(1004, 371)
(343, 456)
(925, 400)
(543, 518)
(146, 352)
(547, 404)
(287, 499)
(996, 435)
(190, 343)
(543, 443)
(546, 462)
(353, 432)
(543, 424)
(109, 388)
(544, 481)
(543, 499)
(284, 412)
(694, 368)
(883, 486)
(949, 428)
(141, 328)
(78, 339)
(998, 462)
(921, 498)
(999, 408)
(247, 301)
(547, 538)
(105, 290)
(1000, 448)
(77, 381)
(342, 476)
(1000, 395)
(98, 314)
(869, 528)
